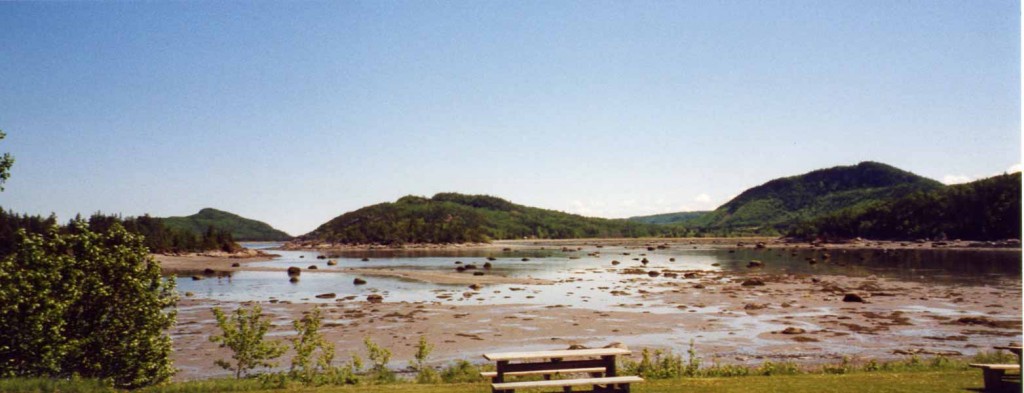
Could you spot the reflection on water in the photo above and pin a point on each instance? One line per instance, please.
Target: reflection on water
(585, 278)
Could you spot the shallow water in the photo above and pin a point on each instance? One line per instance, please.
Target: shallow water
(582, 280)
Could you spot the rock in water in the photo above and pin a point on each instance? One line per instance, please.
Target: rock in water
(375, 298)
(332, 262)
(793, 330)
(853, 298)
(294, 271)
(326, 296)
(755, 263)
(358, 281)
(312, 267)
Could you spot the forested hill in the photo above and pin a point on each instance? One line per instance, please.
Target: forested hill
(241, 228)
(670, 218)
(987, 209)
(779, 203)
(459, 218)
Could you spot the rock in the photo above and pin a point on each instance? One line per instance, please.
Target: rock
(760, 245)
(478, 273)
(616, 262)
(236, 264)
(366, 259)
(853, 298)
(458, 262)
(358, 281)
(525, 259)
(653, 273)
(332, 263)
(460, 269)
(698, 286)
(755, 263)
(690, 275)
(793, 330)
(374, 298)
(326, 296)
(754, 306)
(670, 274)
(476, 287)
(616, 345)
(189, 294)
(671, 259)
(492, 259)
(487, 265)
(470, 266)
(294, 271)
(197, 278)
(209, 272)
(293, 279)
(312, 267)
(752, 282)
(812, 261)
(644, 261)
(321, 257)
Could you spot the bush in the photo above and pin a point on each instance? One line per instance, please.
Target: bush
(85, 304)
(424, 373)
(243, 333)
(379, 357)
(461, 371)
(304, 368)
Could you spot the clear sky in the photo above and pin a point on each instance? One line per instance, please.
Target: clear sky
(295, 112)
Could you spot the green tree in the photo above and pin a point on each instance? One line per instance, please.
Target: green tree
(380, 357)
(87, 304)
(308, 340)
(243, 333)
(6, 161)
(424, 373)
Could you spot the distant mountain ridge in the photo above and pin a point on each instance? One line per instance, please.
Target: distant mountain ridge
(241, 228)
(671, 218)
(784, 201)
(460, 218)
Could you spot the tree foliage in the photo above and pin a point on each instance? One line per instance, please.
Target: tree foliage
(85, 304)
(240, 228)
(243, 333)
(308, 342)
(157, 237)
(988, 209)
(6, 162)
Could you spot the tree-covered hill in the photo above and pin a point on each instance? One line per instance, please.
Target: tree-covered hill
(779, 203)
(241, 228)
(987, 209)
(680, 218)
(458, 218)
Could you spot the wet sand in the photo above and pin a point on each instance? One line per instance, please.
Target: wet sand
(727, 321)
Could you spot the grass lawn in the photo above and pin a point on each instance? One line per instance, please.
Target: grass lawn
(946, 381)
(874, 382)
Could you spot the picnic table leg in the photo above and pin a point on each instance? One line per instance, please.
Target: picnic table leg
(993, 379)
(500, 376)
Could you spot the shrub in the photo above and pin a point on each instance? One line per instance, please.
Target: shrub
(379, 357)
(243, 334)
(424, 373)
(461, 371)
(304, 367)
(85, 304)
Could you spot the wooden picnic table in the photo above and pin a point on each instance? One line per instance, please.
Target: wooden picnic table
(995, 376)
(1015, 349)
(599, 363)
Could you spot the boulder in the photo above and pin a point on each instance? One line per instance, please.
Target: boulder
(653, 273)
(478, 273)
(332, 263)
(793, 330)
(312, 267)
(358, 281)
(293, 279)
(476, 287)
(753, 282)
(755, 263)
(616, 262)
(366, 259)
(487, 265)
(644, 261)
(209, 272)
(853, 298)
(326, 296)
(375, 298)
(197, 278)
(294, 271)
(236, 264)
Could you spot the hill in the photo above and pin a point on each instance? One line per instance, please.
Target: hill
(680, 218)
(987, 209)
(459, 218)
(241, 228)
(779, 203)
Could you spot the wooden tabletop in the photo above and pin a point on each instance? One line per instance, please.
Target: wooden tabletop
(565, 353)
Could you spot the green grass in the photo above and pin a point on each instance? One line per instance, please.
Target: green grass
(871, 382)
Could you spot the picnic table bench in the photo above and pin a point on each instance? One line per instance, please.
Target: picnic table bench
(995, 376)
(599, 364)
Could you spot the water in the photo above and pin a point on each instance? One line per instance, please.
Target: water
(581, 280)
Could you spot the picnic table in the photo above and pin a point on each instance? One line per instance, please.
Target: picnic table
(995, 374)
(599, 365)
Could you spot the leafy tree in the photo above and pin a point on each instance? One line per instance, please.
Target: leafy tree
(243, 333)
(85, 304)
(424, 373)
(380, 357)
(6, 161)
(308, 340)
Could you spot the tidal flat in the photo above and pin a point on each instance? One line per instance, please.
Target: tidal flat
(735, 303)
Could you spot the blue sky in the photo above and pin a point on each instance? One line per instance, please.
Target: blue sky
(295, 112)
